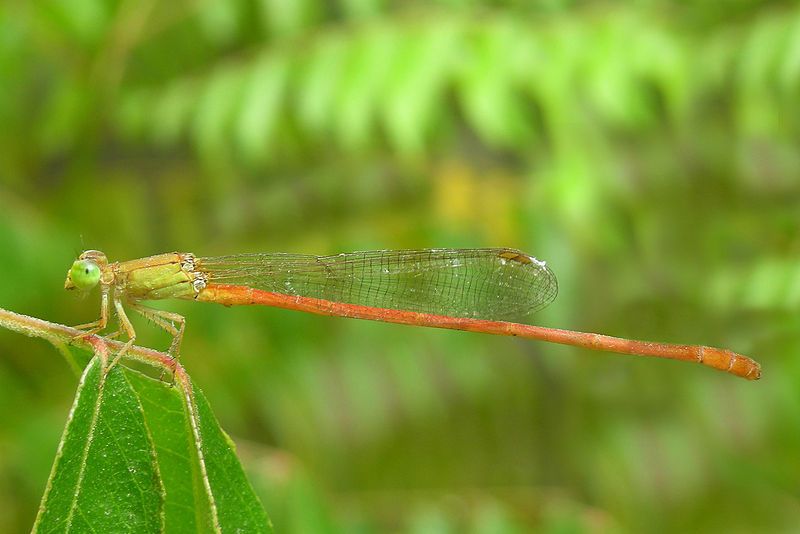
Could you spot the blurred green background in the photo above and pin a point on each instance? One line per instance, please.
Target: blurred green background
(647, 149)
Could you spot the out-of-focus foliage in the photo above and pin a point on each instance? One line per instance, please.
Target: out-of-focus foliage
(138, 455)
(646, 149)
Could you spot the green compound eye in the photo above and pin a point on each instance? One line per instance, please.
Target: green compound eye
(85, 274)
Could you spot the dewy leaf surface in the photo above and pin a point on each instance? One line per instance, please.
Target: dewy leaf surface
(185, 504)
(139, 455)
(105, 477)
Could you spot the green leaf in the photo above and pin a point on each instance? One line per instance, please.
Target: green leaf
(361, 86)
(360, 9)
(260, 113)
(81, 20)
(286, 18)
(220, 21)
(662, 61)
(216, 111)
(320, 77)
(172, 442)
(488, 96)
(140, 455)
(417, 85)
(613, 88)
(105, 473)
(789, 69)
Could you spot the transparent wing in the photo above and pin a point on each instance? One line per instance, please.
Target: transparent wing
(488, 283)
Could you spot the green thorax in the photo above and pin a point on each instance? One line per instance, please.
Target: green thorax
(165, 276)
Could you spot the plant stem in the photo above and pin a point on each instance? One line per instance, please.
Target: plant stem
(60, 334)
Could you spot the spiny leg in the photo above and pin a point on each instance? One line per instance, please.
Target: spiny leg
(100, 324)
(165, 320)
(124, 324)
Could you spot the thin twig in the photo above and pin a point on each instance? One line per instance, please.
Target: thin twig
(60, 334)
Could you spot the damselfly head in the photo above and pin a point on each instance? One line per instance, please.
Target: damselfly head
(86, 271)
